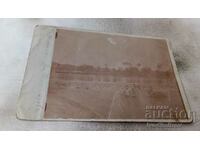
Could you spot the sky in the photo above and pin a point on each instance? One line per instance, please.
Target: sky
(77, 48)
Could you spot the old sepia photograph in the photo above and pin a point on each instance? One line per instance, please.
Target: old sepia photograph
(107, 76)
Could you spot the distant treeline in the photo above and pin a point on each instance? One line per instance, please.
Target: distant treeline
(123, 72)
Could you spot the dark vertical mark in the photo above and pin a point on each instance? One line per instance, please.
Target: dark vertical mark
(45, 107)
(56, 35)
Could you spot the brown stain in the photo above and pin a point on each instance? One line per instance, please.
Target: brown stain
(158, 95)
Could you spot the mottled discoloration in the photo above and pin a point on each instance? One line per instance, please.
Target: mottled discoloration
(181, 62)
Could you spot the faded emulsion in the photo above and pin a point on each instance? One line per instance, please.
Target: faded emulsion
(104, 76)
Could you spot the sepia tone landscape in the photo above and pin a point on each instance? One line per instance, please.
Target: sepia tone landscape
(100, 76)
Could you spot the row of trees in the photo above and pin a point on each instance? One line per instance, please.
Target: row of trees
(128, 71)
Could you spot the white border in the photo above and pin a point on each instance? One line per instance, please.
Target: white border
(33, 95)
(89, 140)
(96, 8)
